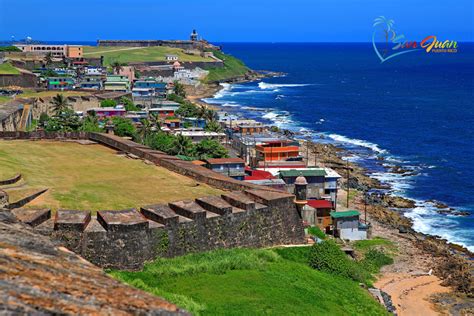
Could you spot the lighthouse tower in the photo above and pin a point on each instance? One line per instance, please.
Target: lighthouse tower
(194, 36)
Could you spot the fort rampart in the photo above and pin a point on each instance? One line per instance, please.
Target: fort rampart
(245, 216)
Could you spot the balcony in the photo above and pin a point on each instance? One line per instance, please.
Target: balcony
(275, 150)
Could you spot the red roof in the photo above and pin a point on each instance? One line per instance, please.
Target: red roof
(320, 204)
(258, 174)
(218, 161)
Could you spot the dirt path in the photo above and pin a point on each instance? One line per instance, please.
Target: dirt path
(113, 50)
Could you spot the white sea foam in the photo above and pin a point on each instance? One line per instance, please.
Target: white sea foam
(264, 86)
(426, 220)
(230, 104)
(226, 87)
(357, 142)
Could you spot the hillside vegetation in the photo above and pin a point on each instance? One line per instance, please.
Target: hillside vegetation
(8, 69)
(233, 68)
(252, 282)
(138, 54)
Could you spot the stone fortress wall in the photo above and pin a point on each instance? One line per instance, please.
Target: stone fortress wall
(246, 216)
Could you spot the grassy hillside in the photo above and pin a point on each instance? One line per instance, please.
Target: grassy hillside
(252, 282)
(138, 54)
(8, 69)
(233, 67)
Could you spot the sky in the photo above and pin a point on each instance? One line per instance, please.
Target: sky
(233, 21)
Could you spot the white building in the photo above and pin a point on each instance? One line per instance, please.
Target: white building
(172, 57)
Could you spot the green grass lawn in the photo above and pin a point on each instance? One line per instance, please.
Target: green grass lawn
(4, 99)
(8, 69)
(138, 54)
(90, 177)
(233, 67)
(251, 282)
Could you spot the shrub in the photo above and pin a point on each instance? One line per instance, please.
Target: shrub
(375, 259)
(108, 103)
(328, 257)
(128, 104)
(123, 127)
(315, 231)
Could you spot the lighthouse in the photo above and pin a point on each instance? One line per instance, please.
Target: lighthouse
(194, 36)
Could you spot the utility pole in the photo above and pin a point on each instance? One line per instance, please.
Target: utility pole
(365, 207)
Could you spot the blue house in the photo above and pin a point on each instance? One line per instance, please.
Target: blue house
(151, 83)
(194, 122)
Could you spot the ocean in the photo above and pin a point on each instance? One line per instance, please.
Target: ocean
(415, 110)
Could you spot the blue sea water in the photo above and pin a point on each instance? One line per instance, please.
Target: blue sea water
(415, 110)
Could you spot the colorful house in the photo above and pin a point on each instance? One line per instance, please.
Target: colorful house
(347, 225)
(117, 83)
(163, 112)
(318, 213)
(60, 83)
(107, 112)
(231, 167)
(277, 150)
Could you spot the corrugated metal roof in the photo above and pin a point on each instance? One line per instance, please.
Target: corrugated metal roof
(304, 173)
(350, 213)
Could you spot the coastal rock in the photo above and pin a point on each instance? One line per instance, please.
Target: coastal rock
(452, 211)
(438, 204)
(398, 202)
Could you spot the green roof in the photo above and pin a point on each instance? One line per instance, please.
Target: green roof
(305, 173)
(350, 213)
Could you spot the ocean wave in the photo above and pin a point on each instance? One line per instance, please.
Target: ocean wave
(265, 86)
(226, 87)
(230, 104)
(237, 93)
(357, 142)
(426, 220)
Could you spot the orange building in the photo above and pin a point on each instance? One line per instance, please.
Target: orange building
(277, 150)
(74, 51)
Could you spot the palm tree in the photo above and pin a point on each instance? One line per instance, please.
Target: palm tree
(201, 112)
(381, 20)
(182, 145)
(48, 59)
(116, 67)
(60, 104)
(210, 115)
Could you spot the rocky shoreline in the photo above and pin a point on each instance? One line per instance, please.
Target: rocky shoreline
(452, 263)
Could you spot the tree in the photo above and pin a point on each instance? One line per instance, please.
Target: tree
(182, 145)
(67, 121)
(187, 109)
(116, 67)
(48, 59)
(124, 127)
(108, 103)
(129, 105)
(43, 119)
(161, 141)
(60, 104)
(90, 123)
(179, 89)
(214, 126)
(210, 115)
(210, 148)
